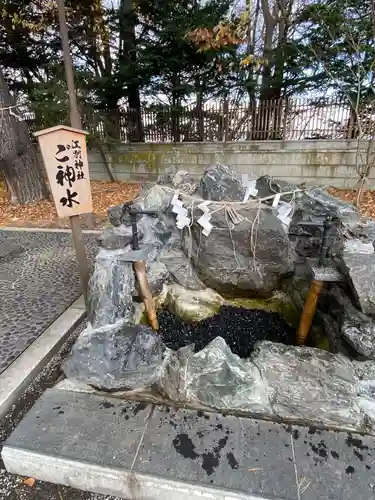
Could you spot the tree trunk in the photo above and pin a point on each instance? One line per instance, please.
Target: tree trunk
(263, 115)
(278, 76)
(199, 112)
(107, 166)
(128, 63)
(251, 80)
(20, 163)
(352, 131)
(175, 110)
(135, 115)
(276, 21)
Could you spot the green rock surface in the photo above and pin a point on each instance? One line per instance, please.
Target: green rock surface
(279, 302)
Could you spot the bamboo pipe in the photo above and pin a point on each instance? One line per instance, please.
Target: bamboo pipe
(140, 272)
(309, 311)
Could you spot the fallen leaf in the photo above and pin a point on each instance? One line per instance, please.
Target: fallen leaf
(256, 469)
(367, 207)
(29, 481)
(105, 194)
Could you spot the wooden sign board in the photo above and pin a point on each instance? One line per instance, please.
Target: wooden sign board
(65, 157)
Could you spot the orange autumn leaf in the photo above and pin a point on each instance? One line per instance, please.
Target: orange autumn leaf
(105, 194)
(367, 207)
(29, 481)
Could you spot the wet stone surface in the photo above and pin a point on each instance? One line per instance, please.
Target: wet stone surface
(334, 465)
(252, 456)
(76, 430)
(38, 281)
(227, 452)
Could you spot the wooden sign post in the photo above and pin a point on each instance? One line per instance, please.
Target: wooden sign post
(65, 157)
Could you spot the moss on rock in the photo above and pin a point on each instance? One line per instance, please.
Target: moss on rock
(279, 302)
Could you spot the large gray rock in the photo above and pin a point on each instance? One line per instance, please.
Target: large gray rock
(114, 238)
(220, 183)
(299, 384)
(116, 357)
(214, 377)
(180, 269)
(268, 186)
(114, 214)
(157, 275)
(358, 330)
(193, 305)
(111, 289)
(309, 384)
(249, 258)
(360, 270)
(316, 205)
(365, 371)
(158, 198)
(185, 182)
(318, 202)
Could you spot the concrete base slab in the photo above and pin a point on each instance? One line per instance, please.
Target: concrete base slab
(15, 379)
(113, 481)
(98, 444)
(141, 451)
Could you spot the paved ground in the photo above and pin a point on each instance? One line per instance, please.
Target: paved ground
(245, 455)
(38, 281)
(11, 486)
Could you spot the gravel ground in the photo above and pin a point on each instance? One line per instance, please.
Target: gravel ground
(240, 328)
(11, 486)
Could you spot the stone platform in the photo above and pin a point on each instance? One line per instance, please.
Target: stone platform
(138, 451)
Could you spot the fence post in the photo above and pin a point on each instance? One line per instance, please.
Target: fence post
(226, 119)
(175, 116)
(285, 117)
(352, 127)
(200, 117)
(220, 113)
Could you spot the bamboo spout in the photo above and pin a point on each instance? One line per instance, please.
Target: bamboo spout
(140, 272)
(309, 311)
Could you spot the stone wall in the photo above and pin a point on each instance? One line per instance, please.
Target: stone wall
(320, 162)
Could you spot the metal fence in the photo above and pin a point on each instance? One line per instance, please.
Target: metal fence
(282, 119)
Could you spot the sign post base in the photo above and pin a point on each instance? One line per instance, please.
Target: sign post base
(79, 248)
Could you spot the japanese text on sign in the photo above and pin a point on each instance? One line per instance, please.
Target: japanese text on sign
(65, 156)
(69, 170)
